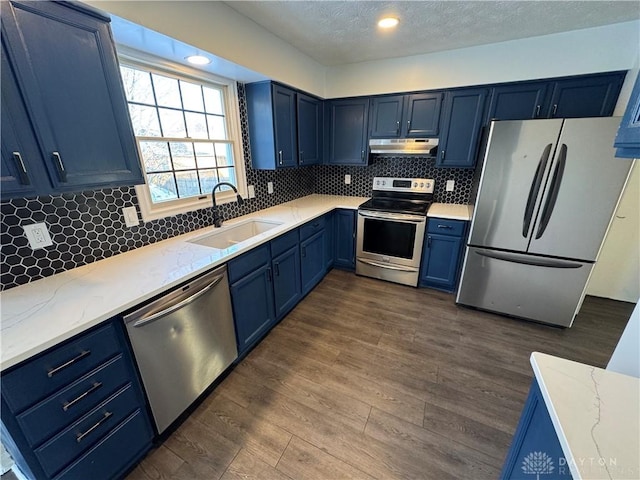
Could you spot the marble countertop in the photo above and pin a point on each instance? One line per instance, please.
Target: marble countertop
(596, 415)
(453, 211)
(43, 313)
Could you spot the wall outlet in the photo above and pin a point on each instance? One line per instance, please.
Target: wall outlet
(252, 191)
(450, 185)
(347, 179)
(130, 216)
(269, 187)
(38, 235)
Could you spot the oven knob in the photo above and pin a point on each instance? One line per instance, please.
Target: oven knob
(384, 182)
(415, 184)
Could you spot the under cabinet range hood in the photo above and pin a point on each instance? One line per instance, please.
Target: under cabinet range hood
(403, 146)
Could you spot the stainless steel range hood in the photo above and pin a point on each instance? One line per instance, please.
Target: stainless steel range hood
(403, 146)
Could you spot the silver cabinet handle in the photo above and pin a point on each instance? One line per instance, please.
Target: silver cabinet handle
(269, 276)
(24, 177)
(362, 155)
(67, 405)
(408, 125)
(106, 417)
(276, 267)
(61, 171)
(448, 227)
(301, 156)
(555, 109)
(398, 127)
(59, 368)
(442, 156)
(537, 111)
(280, 157)
(428, 241)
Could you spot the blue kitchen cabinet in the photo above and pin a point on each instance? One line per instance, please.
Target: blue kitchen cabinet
(412, 115)
(69, 409)
(592, 96)
(460, 127)
(386, 116)
(313, 265)
(329, 239)
(285, 265)
(441, 254)
(627, 140)
(67, 72)
(346, 123)
(309, 129)
(535, 448)
(522, 101)
(344, 232)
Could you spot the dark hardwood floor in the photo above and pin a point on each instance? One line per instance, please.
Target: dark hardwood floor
(367, 379)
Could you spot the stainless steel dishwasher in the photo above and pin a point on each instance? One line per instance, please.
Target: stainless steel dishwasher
(182, 342)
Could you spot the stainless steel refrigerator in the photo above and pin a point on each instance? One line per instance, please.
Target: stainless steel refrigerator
(547, 194)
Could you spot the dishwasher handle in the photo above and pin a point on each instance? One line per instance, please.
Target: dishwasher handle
(168, 306)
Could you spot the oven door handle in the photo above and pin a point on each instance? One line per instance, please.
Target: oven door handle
(393, 216)
(388, 266)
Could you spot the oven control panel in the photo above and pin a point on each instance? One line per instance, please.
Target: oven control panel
(413, 185)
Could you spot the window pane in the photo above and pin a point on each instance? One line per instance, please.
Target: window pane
(137, 85)
(172, 123)
(213, 100)
(162, 187)
(224, 155)
(188, 184)
(155, 156)
(217, 130)
(144, 121)
(208, 179)
(204, 155)
(196, 125)
(167, 92)
(182, 155)
(227, 175)
(191, 96)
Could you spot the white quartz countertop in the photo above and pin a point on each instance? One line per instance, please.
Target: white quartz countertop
(453, 211)
(596, 415)
(43, 313)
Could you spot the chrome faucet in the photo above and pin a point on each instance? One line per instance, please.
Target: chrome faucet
(217, 218)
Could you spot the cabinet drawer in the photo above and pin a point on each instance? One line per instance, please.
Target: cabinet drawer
(311, 227)
(80, 436)
(52, 415)
(39, 378)
(250, 261)
(446, 227)
(284, 242)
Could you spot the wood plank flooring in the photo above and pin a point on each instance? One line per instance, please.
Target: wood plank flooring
(371, 380)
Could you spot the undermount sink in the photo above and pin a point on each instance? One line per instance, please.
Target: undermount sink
(229, 236)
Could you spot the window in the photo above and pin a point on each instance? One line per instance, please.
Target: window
(186, 129)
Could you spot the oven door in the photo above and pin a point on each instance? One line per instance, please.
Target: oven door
(390, 240)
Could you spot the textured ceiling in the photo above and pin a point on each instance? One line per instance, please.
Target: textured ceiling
(342, 32)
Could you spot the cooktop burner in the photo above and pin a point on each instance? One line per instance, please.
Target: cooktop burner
(400, 195)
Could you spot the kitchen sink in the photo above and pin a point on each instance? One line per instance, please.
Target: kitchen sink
(226, 237)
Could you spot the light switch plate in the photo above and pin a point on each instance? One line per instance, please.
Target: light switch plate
(252, 191)
(269, 187)
(347, 179)
(130, 216)
(450, 185)
(38, 235)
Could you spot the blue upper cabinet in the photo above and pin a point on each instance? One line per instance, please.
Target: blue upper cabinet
(285, 126)
(67, 72)
(460, 126)
(346, 124)
(522, 101)
(414, 115)
(627, 140)
(593, 96)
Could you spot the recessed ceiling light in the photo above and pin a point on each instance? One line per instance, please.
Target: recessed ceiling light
(388, 22)
(198, 59)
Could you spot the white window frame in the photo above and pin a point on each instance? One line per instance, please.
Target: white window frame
(154, 211)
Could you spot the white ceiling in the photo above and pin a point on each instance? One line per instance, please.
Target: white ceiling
(342, 32)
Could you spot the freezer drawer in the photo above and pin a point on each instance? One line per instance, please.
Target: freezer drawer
(525, 286)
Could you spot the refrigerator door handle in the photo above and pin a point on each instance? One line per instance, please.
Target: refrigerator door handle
(535, 188)
(529, 260)
(553, 191)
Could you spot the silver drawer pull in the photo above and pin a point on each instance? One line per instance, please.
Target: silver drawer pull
(68, 405)
(445, 226)
(24, 176)
(57, 369)
(61, 170)
(106, 417)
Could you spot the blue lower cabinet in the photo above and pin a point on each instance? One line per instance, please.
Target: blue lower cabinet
(344, 233)
(535, 451)
(441, 253)
(253, 306)
(329, 240)
(313, 265)
(286, 281)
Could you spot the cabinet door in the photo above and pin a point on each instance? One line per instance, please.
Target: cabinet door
(345, 238)
(329, 240)
(347, 129)
(517, 102)
(628, 137)
(284, 117)
(423, 114)
(68, 73)
(462, 115)
(440, 261)
(313, 265)
(309, 130)
(586, 97)
(253, 307)
(286, 281)
(386, 116)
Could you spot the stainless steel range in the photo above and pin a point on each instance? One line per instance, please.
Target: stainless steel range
(391, 228)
